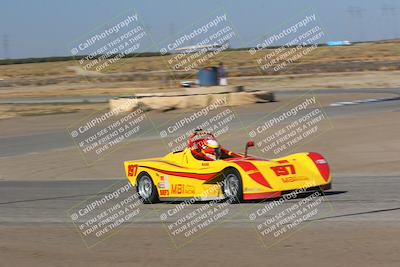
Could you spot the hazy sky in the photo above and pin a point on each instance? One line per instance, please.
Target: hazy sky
(47, 27)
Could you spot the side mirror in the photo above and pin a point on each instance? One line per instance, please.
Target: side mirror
(248, 144)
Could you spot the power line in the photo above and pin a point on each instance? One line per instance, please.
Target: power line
(355, 11)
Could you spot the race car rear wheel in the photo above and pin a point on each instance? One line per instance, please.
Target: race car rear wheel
(232, 186)
(146, 189)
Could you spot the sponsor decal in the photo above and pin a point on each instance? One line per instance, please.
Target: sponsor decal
(251, 189)
(180, 189)
(177, 189)
(163, 184)
(189, 189)
(164, 193)
(293, 179)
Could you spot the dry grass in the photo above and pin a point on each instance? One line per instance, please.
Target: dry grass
(371, 52)
(8, 111)
(361, 52)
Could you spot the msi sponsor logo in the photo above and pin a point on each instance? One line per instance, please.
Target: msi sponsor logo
(293, 179)
(182, 189)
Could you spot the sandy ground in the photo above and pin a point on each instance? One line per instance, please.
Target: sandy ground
(342, 80)
(322, 244)
(277, 83)
(361, 230)
(27, 110)
(354, 143)
(358, 143)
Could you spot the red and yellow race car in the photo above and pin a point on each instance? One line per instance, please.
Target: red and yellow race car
(206, 171)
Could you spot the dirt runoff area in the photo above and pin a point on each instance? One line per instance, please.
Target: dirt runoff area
(336, 244)
(357, 143)
(331, 80)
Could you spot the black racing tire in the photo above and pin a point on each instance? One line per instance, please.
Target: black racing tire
(146, 189)
(232, 186)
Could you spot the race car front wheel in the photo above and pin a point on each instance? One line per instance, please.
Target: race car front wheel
(232, 186)
(146, 189)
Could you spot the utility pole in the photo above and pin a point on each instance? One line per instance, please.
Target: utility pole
(5, 46)
(391, 11)
(172, 31)
(357, 13)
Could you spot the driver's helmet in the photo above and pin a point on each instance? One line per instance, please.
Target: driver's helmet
(211, 149)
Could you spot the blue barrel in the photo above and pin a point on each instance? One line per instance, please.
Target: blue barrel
(208, 76)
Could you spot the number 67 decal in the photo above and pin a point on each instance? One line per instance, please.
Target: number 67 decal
(283, 170)
(132, 169)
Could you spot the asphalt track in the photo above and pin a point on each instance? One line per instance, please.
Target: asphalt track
(372, 198)
(34, 143)
(357, 222)
(352, 197)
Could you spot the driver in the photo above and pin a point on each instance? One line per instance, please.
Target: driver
(211, 149)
